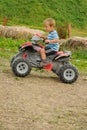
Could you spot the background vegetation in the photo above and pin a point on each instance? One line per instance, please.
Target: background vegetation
(33, 12)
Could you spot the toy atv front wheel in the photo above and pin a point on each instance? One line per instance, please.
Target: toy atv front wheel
(68, 73)
(21, 67)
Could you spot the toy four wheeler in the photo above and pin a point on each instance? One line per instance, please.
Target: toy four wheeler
(28, 58)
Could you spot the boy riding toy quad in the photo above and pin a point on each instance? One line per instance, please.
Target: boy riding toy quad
(28, 58)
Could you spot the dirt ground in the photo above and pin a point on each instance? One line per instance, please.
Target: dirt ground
(41, 101)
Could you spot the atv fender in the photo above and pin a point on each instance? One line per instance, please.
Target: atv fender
(62, 56)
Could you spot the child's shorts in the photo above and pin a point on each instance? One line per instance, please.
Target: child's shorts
(49, 51)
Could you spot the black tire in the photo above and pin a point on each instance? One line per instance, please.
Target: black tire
(15, 57)
(21, 67)
(68, 73)
(12, 60)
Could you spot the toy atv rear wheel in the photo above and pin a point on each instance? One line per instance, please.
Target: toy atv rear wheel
(68, 73)
(21, 67)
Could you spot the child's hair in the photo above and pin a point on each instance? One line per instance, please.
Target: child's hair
(50, 22)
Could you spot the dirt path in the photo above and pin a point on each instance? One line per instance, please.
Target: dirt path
(41, 102)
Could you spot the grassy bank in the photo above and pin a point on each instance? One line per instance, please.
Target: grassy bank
(79, 32)
(33, 12)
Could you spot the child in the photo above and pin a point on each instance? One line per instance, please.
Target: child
(51, 40)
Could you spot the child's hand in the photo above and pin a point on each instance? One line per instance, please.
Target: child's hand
(44, 37)
(47, 41)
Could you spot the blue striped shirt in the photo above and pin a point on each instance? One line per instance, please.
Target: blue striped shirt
(51, 36)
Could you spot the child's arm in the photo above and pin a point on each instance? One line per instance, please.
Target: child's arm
(52, 41)
(44, 37)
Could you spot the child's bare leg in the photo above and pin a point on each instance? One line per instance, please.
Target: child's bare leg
(43, 55)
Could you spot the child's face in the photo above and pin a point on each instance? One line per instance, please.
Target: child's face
(48, 28)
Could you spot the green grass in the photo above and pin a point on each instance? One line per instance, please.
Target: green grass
(79, 59)
(1, 126)
(33, 12)
(80, 54)
(81, 65)
(10, 43)
(79, 32)
(9, 46)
